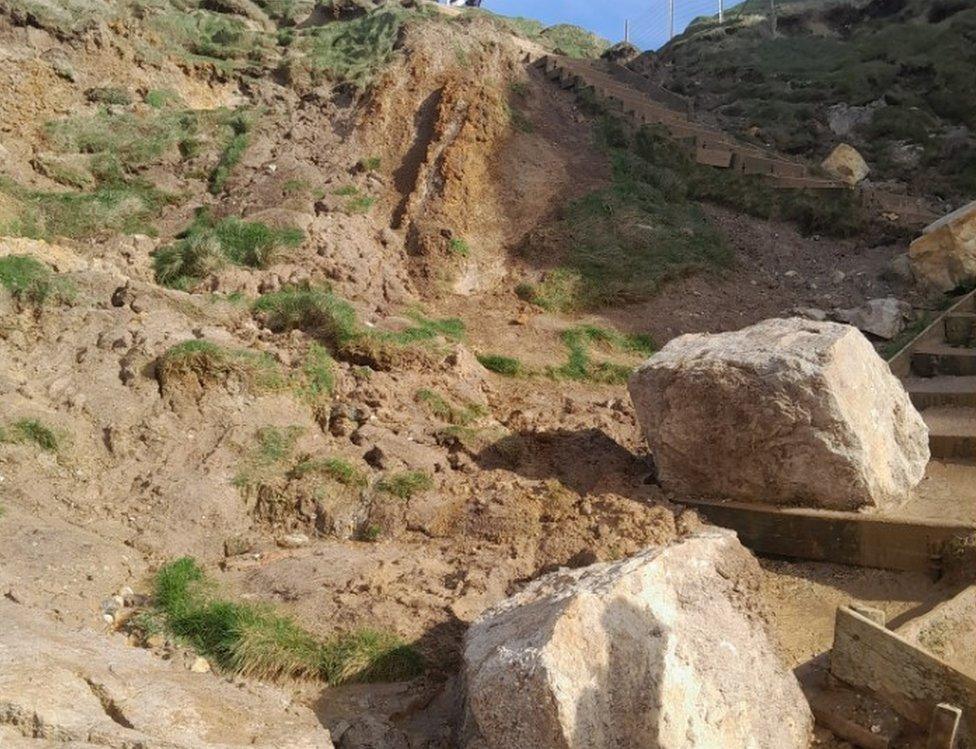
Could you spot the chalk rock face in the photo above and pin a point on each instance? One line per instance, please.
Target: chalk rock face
(846, 164)
(783, 412)
(944, 257)
(89, 689)
(659, 650)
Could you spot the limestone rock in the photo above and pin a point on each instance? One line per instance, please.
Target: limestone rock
(884, 318)
(846, 164)
(944, 257)
(785, 412)
(658, 650)
(78, 686)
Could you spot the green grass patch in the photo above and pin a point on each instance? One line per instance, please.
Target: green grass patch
(31, 431)
(406, 483)
(223, 40)
(425, 329)
(208, 363)
(559, 291)
(273, 447)
(360, 205)
(128, 208)
(580, 365)
(370, 163)
(254, 640)
(460, 247)
(160, 98)
(208, 244)
(240, 127)
(353, 50)
(109, 95)
(337, 469)
(30, 281)
(461, 416)
(315, 310)
(623, 242)
(319, 374)
(503, 365)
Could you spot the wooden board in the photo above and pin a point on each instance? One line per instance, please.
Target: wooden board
(914, 682)
(841, 537)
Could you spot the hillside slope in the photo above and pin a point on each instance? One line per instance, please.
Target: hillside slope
(317, 318)
(892, 77)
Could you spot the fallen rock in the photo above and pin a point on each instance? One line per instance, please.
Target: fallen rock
(944, 257)
(846, 164)
(884, 318)
(784, 412)
(80, 686)
(658, 650)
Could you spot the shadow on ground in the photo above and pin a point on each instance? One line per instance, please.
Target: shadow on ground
(585, 461)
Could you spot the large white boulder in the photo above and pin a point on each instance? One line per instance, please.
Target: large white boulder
(88, 689)
(659, 651)
(783, 412)
(944, 257)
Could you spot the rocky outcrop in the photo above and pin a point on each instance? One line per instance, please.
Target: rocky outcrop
(846, 164)
(784, 412)
(658, 650)
(80, 686)
(944, 257)
(884, 318)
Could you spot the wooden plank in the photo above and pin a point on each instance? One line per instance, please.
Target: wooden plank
(944, 730)
(914, 682)
(841, 537)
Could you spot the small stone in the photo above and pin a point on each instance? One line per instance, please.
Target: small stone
(294, 541)
(200, 666)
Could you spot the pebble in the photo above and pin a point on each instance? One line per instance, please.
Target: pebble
(200, 666)
(294, 541)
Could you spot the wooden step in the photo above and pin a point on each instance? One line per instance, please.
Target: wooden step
(934, 359)
(952, 432)
(928, 392)
(960, 328)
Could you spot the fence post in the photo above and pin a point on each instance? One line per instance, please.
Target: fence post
(670, 19)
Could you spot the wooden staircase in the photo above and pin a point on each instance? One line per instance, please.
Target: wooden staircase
(938, 369)
(710, 146)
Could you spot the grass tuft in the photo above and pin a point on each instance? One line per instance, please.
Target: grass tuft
(580, 365)
(316, 311)
(254, 640)
(503, 365)
(459, 416)
(30, 281)
(406, 483)
(208, 363)
(338, 469)
(240, 127)
(31, 431)
(208, 244)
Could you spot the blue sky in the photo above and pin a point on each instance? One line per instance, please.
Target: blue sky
(649, 18)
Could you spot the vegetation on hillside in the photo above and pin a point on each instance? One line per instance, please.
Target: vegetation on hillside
(254, 640)
(210, 243)
(911, 61)
(29, 281)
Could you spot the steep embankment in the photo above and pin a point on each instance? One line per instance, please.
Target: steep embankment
(892, 77)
